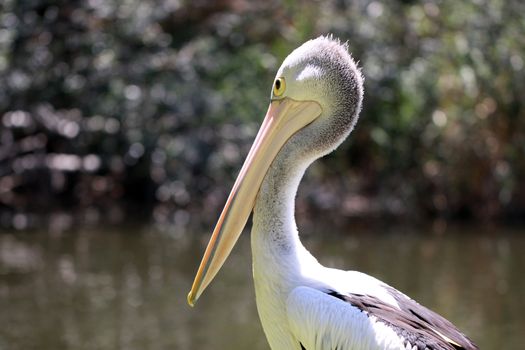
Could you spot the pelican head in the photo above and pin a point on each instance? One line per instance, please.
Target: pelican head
(315, 102)
(321, 71)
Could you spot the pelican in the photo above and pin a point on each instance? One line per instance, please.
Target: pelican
(315, 102)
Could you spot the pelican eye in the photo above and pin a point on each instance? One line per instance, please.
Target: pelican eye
(279, 86)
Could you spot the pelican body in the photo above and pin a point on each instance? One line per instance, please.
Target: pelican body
(315, 102)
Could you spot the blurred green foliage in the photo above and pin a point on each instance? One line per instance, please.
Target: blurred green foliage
(115, 107)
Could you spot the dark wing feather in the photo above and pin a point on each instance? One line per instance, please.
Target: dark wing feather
(418, 325)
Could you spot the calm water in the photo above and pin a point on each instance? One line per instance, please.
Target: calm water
(126, 289)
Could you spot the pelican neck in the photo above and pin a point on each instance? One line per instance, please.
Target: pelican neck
(274, 227)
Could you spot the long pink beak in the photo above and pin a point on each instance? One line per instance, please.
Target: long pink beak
(284, 118)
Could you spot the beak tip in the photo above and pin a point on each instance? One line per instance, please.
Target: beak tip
(191, 299)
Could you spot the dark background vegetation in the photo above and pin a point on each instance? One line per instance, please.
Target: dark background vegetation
(115, 110)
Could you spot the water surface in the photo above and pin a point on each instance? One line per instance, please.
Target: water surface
(126, 288)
